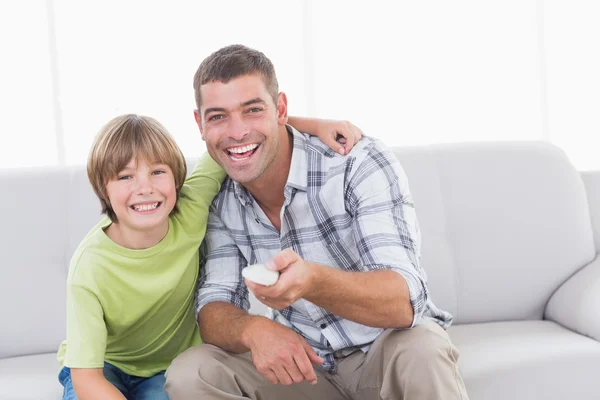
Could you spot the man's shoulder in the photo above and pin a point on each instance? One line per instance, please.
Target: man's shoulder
(367, 153)
(226, 205)
(368, 146)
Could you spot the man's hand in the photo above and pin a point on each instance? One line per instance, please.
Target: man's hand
(280, 354)
(295, 280)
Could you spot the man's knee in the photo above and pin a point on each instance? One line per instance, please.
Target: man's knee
(199, 363)
(425, 344)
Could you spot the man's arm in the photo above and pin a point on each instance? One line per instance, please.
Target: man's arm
(380, 299)
(279, 353)
(223, 324)
(392, 292)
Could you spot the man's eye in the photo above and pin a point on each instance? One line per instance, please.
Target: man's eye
(255, 110)
(215, 117)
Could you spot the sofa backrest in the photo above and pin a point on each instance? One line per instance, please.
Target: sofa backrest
(503, 225)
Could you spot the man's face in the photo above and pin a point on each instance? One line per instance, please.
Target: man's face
(241, 126)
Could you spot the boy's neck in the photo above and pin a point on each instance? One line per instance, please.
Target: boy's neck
(136, 239)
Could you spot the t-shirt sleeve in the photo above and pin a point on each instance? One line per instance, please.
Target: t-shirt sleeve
(86, 330)
(198, 192)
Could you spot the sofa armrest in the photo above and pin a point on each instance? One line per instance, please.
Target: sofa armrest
(576, 304)
(591, 180)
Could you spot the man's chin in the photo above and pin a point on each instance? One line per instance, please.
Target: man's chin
(241, 177)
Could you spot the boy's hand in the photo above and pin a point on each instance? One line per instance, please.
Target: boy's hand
(341, 136)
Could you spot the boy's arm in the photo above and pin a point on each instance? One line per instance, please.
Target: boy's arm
(86, 329)
(90, 384)
(339, 135)
(198, 192)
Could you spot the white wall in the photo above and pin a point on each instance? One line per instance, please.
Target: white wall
(407, 72)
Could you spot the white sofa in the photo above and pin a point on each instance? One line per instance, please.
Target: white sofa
(511, 233)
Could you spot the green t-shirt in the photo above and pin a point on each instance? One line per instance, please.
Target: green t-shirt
(135, 308)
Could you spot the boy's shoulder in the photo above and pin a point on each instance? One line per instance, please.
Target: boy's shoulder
(88, 253)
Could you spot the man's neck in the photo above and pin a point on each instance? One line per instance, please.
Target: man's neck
(268, 191)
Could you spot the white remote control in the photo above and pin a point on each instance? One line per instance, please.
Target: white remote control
(259, 273)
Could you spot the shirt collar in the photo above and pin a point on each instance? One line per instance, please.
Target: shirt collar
(297, 177)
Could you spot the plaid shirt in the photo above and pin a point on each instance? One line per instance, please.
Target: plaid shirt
(351, 212)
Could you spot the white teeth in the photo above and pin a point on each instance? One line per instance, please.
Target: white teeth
(238, 158)
(243, 149)
(145, 207)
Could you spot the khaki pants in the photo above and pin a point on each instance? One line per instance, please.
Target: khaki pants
(413, 364)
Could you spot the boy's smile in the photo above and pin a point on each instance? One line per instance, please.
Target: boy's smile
(146, 207)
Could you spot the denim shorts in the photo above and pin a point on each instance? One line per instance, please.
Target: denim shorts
(132, 387)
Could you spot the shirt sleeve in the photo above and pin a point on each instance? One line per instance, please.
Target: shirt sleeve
(221, 273)
(197, 193)
(385, 225)
(86, 330)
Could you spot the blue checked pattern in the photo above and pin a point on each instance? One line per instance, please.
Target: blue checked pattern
(354, 213)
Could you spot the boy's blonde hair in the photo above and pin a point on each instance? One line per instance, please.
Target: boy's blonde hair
(126, 137)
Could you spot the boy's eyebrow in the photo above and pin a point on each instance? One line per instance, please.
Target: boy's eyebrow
(244, 104)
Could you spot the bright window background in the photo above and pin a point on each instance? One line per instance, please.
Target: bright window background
(406, 72)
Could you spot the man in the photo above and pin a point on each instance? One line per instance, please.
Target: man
(352, 318)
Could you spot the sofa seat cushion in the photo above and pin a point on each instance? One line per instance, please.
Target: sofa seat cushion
(526, 360)
(30, 378)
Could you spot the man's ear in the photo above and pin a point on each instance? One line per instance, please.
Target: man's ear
(282, 114)
(198, 119)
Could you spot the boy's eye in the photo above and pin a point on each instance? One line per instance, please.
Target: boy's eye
(124, 177)
(159, 172)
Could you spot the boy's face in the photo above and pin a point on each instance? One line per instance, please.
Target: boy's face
(142, 196)
(240, 124)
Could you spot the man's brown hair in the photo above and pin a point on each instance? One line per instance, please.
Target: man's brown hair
(127, 137)
(234, 61)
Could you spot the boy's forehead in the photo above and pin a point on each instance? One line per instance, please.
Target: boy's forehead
(141, 160)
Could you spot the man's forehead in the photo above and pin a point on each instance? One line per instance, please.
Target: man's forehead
(235, 93)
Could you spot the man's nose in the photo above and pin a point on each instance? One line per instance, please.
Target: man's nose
(238, 128)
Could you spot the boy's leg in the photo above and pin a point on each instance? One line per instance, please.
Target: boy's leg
(111, 373)
(117, 377)
(64, 377)
(152, 388)
(417, 363)
(208, 372)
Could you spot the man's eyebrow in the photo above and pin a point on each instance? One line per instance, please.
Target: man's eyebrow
(256, 100)
(213, 109)
(253, 101)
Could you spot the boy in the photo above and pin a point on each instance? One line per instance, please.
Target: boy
(131, 283)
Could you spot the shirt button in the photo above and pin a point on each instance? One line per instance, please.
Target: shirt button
(323, 326)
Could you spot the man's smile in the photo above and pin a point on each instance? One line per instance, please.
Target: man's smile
(241, 153)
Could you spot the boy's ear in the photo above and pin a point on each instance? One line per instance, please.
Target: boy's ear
(198, 119)
(282, 115)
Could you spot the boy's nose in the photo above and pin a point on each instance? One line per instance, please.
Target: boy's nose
(144, 186)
